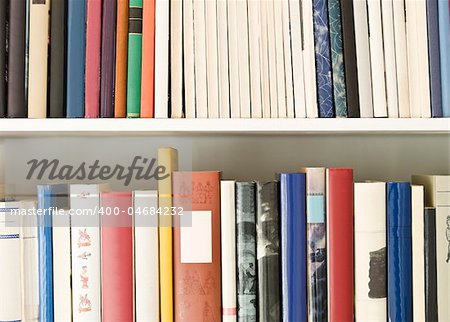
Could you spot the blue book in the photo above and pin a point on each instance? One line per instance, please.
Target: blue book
(293, 246)
(48, 197)
(399, 251)
(76, 52)
(323, 58)
(444, 47)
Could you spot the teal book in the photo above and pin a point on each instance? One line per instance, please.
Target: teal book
(134, 58)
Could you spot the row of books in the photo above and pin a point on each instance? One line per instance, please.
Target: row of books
(222, 59)
(309, 246)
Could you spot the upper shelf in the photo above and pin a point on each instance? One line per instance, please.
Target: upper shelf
(146, 127)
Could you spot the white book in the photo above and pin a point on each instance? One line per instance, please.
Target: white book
(288, 60)
(201, 87)
(279, 53)
(401, 58)
(363, 58)
(188, 56)
(162, 27)
(264, 54)
(176, 58)
(254, 33)
(271, 44)
(233, 59)
(228, 250)
(389, 57)
(243, 52)
(10, 295)
(309, 63)
(86, 288)
(377, 58)
(224, 83)
(370, 251)
(418, 255)
(212, 59)
(29, 262)
(146, 264)
(297, 59)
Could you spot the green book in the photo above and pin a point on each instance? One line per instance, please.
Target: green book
(134, 58)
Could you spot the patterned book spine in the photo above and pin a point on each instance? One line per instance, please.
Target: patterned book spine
(431, 307)
(435, 61)
(246, 251)
(268, 252)
(323, 58)
(337, 58)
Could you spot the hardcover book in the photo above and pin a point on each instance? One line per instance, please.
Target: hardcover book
(120, 84)
(418, 255)
(3, 56)
(431, 308)
(148, 60)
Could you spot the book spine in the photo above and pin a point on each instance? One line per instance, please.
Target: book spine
(148, 59)
(323, 58)
(279, 58)
(228, 250)
(243, 58)
(268, 252)
(424, 70)
(211, 63)
(162, 58)
(399, 251)
(176, 57)
(188, 58)
(3, 56)
(337, 58)
(120, 84)
(57, 61)
(76, 44)
(222, 34)
(418, 256)
(293, 258)
(201, 91)
(246, 251)
(340, 244)
(431, 307)
(108, 58)
(287, 43)
(16, 59)
(434, 58)
(235, 109)
(271, 44)
(93, 55)
(134, 58)
(444, 49)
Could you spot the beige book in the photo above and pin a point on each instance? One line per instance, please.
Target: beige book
(271, 44)
(201, 86)
(211, 59)
(264, 54)
(176, 59)
(233, 59)
(254, 33)
(279, 53)
(188, 56)
(243, 53)
(222, 33)
(288, 60)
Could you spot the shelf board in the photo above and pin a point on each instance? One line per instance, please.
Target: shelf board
(147, 127)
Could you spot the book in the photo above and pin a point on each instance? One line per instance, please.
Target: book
(254, 31)
(3, 56)
(287, 43)
(434, 58)
(108, 58)
(93, 54)
(134, 58)
(57, 60)
(337, 58)
(201, 84)
(228, 249)
(148, 59)
(222, 39)
(10, 279)
(444, 51)
(316, 232)
(243, 58)
(340, 247)
(233, 53)
(211, 59)
(116, 257)
(120, 83)
(323, 59)
(363, 58)
(431, 308)
(146, 264)
(271, 44)
(264, 55)
(279, 55)
(350, 66)
(197, 246)
(76, 45)
(16, 59)
(247, 276)
(399, 260)
(418, 256)
(167, 158)
(176, 60)
(370, 252)
(162, 54)
(268, 251)
(293, 258)
(188, 58)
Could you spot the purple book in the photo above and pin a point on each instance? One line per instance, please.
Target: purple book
(108, 58)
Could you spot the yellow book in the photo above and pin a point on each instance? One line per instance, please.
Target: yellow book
(168, 158)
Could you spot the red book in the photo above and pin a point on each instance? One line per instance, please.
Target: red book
(197, 287)
(340, 244)
(117, 257)
(148, 59)
(93, 44)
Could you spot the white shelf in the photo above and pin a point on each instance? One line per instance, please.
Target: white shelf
(146, 127)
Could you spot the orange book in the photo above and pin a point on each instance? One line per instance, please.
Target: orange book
(148, 59)
(120, 96)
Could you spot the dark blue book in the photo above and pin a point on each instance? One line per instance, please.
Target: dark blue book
(293, 246)
(76, 53)
(323, 58)
(435, 61)
(399, 251)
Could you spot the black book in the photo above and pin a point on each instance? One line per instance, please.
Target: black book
(3, 55)
(57, 64)
(349, 49)
(16, 59)
(431, 308)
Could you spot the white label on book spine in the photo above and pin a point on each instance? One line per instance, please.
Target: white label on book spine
(196, 240)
